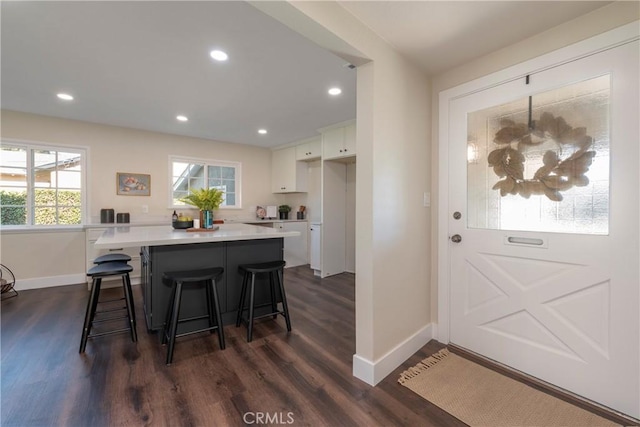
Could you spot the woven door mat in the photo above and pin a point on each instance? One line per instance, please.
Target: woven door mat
(479, 396)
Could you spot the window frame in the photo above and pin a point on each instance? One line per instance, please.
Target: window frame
(206, 163)
(30, 147)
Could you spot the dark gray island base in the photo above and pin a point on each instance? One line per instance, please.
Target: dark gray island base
(159, 259)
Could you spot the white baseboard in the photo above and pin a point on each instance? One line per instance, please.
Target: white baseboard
(49, 282)
(374, 372)
(64, 280)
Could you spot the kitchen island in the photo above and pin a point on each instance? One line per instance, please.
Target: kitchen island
(164, 249)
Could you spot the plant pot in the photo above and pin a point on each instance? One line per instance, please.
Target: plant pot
(206, 219)
(284, 215)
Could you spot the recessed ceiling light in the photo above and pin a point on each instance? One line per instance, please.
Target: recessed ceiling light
(65, 96)
(262, 131)
(219, 55)
(182, 118)
(335, 91)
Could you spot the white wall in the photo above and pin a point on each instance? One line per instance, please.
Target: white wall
(312, 198)
(350, 236)
(43, 259)
(314, 195)
(600, 20)
(392, 230)
(114, 149)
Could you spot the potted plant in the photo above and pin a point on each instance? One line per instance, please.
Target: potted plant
(207, 200)
(284, 211)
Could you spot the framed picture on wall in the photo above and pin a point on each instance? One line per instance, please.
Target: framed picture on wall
(133, 184)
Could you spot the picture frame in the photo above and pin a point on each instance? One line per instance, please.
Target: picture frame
(133, 184)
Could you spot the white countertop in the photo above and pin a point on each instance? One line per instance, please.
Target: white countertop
(261, 221)
(122, 237)
(126, 224)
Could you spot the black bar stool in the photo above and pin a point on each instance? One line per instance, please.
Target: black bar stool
(97, 273)
(250, 270)
(116, 257)
(178, 279)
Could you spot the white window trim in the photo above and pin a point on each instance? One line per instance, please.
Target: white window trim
(84, 193)
(206, 162)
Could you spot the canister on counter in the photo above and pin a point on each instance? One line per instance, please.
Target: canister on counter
(122, 218)
(107, 216)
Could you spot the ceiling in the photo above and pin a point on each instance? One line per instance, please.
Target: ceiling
(140, 64)
(440, 35)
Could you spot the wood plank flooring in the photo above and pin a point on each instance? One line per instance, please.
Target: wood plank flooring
(304, 376)
(298, 378)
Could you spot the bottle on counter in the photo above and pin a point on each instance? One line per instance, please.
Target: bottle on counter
(174, 217)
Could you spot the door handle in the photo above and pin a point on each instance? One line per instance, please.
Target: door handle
(456, 238)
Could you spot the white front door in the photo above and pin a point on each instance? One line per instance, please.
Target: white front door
(544, 214)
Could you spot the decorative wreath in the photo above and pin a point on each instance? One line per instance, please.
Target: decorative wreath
(556, 174)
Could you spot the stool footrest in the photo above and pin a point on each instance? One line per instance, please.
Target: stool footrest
(109, 319)
(184, 334)
(244, 319)
(189, 319)
(100, 334)
(111, 300)
(110, 310)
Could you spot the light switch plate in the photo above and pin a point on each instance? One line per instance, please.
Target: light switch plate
(426, 199)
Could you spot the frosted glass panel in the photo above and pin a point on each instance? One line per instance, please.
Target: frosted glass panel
(542, 163)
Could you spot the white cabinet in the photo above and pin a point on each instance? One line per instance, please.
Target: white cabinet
(311, 150)
(91, 235)
(315, 236)
(350, 140)
(339, 142)
(287, 174)
(295, 248)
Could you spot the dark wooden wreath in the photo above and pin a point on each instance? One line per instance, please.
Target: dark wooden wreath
(556, 174)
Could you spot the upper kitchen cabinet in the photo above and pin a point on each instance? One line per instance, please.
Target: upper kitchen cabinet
(287, 174)
(339, 142)
(310, 150)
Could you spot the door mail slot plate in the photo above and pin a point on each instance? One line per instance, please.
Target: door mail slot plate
(530, 242)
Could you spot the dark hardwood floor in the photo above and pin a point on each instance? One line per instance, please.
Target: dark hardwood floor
(300, 378)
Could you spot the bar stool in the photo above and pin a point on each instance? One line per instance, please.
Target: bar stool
(251, 270)
(178, 279)
(97, 273)
(116, 257)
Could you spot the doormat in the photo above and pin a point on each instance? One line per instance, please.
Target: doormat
(479, 396)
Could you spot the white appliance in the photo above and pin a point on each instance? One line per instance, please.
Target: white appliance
(272, 212)
(315, 236)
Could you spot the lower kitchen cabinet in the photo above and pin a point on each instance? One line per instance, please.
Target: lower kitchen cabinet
(156, 260)
(315, 247)
(295, 248)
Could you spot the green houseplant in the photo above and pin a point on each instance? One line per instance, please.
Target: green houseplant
(284, 211)
(207, 200)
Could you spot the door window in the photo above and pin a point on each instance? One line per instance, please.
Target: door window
(541, 163)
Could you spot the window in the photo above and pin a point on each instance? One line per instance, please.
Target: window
(41, 185)
(549, 158)
(187, 174)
